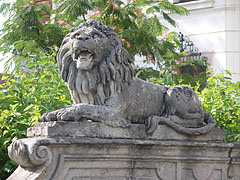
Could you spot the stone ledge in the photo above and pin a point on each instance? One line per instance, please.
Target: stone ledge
(100, 130)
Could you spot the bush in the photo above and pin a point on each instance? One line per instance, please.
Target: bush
(221, 99)
(23, 99)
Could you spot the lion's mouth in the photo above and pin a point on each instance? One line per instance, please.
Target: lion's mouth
(84, 59)
(85, 55)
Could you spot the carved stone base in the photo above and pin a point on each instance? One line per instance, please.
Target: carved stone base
(98, 152)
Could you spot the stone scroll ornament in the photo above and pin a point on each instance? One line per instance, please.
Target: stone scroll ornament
(29, 153)
(33, 156)
(99, 75)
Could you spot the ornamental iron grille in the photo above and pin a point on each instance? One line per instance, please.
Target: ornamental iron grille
(192, 54)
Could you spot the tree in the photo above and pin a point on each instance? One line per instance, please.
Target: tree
(25, 34)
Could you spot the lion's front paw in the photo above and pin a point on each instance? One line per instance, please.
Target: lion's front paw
(65, 114)
(51, 116)
(68, 114)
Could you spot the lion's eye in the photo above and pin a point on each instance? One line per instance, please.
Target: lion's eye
(95, 36)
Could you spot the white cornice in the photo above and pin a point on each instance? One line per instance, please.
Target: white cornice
(197, 5)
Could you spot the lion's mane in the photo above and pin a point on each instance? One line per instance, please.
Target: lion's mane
(105, 78)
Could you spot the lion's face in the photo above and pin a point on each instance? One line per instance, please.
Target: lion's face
(88, 47)
(184, 100)
(93, 63)
(180, 97)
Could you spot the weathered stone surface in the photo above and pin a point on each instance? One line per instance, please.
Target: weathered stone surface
(100, 130)
(87, 158)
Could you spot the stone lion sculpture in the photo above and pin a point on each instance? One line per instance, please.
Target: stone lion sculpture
(98, 73)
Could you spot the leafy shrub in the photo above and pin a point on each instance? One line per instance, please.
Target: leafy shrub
(23, 99)
(221, 99)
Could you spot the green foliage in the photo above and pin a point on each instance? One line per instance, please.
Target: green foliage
(23, 99)
(221, 99)
(25, 34)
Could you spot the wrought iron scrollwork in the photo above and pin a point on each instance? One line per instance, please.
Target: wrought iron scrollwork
(188, 47)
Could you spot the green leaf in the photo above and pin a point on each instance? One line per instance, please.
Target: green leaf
(5, 132)
(28, 107)
(228, 72)
(149, 10)
(4, 77)
(31, 65)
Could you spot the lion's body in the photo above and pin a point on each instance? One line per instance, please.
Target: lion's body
(99, 75)
(141, 99)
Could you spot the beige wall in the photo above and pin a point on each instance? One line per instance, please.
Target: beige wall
(214, 27)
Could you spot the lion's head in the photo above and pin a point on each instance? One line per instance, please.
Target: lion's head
(183, 102)
(93, 63)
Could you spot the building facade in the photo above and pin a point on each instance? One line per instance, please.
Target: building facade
(214, 27)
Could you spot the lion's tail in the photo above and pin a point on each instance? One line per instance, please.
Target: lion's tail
(152, 122)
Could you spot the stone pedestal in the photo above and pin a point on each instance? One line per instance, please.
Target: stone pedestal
(94, 151)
